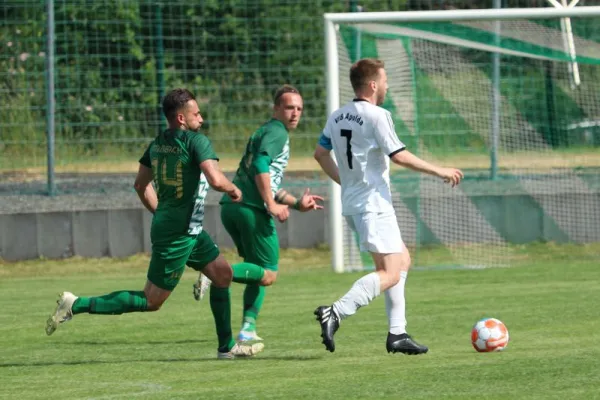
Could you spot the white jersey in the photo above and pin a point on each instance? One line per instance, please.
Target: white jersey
(363, 139)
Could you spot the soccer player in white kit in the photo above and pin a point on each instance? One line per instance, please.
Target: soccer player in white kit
(363, 139)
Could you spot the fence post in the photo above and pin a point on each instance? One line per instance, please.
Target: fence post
(496, 100)
(50, 99)
(160, 65)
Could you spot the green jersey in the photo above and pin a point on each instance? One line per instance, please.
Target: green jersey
(175, 158)
(271, 145)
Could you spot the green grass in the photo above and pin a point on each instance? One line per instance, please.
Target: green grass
(548, 301)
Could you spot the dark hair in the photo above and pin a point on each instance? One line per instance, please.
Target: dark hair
(174, 101)
(281, 91)
(364, 71)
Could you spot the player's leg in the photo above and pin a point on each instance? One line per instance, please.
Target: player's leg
(385, 246)
(366, 288)
(220, 303)
(229, 215)
(380, 235)
(115, 303)
(398, 340)
(201, 286)
(228, 212)
(260, 251)
(392, 264)
(207, 259)
(254, 296)
(165, 270)
(242, 224)
(395, 304)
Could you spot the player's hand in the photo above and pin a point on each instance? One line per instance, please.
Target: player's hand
(279, 211)
(235, 194)
(309, 202)
(452, 176)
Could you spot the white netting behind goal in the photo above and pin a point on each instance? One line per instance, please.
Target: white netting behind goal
(524, 130)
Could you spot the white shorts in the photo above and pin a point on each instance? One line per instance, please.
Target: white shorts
(377, 232)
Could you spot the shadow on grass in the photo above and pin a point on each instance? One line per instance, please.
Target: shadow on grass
(125, 342)
(168, 360)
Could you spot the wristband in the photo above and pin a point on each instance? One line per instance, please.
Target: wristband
(280, 196)
(296, 205)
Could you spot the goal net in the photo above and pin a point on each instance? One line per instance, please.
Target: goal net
(509, 96)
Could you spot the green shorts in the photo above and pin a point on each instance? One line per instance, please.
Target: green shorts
(168, 262)
(254, 234)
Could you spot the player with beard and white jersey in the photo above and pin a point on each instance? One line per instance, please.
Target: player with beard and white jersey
(363, 139)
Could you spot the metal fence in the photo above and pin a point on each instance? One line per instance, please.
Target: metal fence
(111, 61)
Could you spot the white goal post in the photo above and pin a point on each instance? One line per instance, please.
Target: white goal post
(331, 26)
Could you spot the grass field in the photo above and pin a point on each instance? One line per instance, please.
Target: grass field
(549, 303)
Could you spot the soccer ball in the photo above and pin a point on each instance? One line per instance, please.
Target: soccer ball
(489, 334)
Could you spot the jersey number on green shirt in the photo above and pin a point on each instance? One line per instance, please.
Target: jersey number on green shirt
(161, 175)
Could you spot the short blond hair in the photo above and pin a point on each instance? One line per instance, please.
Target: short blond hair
(364, 71)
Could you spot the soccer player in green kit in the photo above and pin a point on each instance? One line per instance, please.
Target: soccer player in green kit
(250, 223)
(182, 163)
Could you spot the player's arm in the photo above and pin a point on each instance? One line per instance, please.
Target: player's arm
(218, 181)
(202, 154)
(323, 157)
(406, 159)
(144, 189)
(271, 144)
(305, 203)
(261, 164)
(388, 141)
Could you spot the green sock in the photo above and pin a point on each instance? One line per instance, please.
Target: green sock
(254, 296)
(247, 272)
(125, 301)
(220, 305)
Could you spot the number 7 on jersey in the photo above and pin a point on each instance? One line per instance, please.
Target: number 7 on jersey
(347, 133)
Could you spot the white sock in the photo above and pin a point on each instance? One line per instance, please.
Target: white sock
(360, 294)
(395, 306)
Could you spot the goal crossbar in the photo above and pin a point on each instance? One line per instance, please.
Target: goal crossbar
(464, 15)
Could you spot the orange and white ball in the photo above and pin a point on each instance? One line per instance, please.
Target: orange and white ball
(489, 334)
